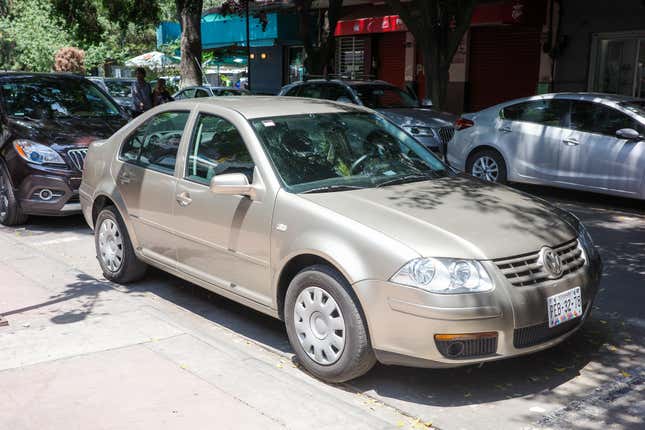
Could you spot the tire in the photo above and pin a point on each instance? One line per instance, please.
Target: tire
(487, 165)
(114, 249)
(304, 320)
(10, 210)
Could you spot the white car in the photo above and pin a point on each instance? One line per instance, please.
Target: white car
(583, 141)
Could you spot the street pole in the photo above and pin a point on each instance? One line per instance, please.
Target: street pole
(248, 48)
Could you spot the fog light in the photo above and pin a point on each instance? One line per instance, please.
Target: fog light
(45, 194)
(466, 345)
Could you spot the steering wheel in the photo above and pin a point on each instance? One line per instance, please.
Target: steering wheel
(361, 160)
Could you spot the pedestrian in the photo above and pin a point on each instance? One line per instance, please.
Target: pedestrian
(161, 94)
(141, 93)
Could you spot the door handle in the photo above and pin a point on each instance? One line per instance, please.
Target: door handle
(125, 178)
(571, 141)
(183, 199)
(505, 129)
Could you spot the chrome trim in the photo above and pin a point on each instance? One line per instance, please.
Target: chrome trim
(527, 269)
(77, 157)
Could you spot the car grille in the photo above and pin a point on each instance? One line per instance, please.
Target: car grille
(540, 333)
(525, 270)
(77, 157)
(445, 133)
(470, 348)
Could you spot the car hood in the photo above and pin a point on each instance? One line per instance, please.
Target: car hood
(64, 132)
(454, 217)
(419, 116)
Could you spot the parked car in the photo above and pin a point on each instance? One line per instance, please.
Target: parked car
(333, 219)
(209, 91)
(583, 141)
(430, 127)
(119, 88)
(46, 123)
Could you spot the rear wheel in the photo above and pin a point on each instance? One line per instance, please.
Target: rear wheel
(114, 249)
(488, 165)
(10, 211)
(325, 326)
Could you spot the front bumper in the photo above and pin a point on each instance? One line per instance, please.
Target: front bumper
(62, 184)
(403, 321)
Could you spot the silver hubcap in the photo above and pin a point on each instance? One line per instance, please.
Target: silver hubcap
(320, 326)
(110, 245)
(486, 168)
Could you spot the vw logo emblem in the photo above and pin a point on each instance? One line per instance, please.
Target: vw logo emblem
(550, 260)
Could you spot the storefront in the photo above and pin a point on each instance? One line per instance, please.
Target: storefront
(500, 58)
(274, 47)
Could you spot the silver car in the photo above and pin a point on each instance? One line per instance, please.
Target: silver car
(430, 127)
(583, 141)
(334, 220)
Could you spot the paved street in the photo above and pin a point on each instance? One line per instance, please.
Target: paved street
(80, 352)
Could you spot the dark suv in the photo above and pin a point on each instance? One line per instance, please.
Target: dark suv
(47, 121)
(431, 128)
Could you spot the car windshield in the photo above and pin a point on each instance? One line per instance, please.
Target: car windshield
(48, 98)
(119, 88)
(336, 151)
(636, 106)
(385, 97)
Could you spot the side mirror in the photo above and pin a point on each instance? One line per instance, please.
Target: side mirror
(629, 134)
(426, 102)
(232, 184)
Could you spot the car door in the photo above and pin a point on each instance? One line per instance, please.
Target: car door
(530, 134)
(145, 179)
(594, 158)
(224, 239)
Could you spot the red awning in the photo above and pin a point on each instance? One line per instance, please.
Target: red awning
(503, 12)
(379, 24)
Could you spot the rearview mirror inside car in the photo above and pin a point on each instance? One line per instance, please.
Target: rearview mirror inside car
(232, 184)
(629, 134)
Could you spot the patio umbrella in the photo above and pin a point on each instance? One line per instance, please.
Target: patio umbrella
(152, 60)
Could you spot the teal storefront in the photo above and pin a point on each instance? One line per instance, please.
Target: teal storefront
(276, 50)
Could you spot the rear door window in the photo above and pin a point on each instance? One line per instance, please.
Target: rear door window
(337, 93)
(201, 92)
(294, 91)
(312, 91)
(596, 118)
(553, 112)
(154, 144)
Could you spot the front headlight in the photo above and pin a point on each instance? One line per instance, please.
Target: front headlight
(444, 276)
(419, 131)
(37, 153)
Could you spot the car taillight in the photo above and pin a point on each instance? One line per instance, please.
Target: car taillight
(462, 123)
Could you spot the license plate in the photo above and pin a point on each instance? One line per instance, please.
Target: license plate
(564, 307)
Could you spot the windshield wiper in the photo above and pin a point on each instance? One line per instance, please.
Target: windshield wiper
(406, 179)
(331, 188)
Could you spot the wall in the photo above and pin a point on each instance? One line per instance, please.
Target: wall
(579, 20)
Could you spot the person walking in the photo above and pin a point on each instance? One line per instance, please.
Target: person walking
(141, 93)
(160, 95)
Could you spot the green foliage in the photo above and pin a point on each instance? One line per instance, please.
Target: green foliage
(30, 35)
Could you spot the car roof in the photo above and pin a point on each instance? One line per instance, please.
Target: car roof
(252, 107)
(351, 83)
(213, 87)
(57, 75)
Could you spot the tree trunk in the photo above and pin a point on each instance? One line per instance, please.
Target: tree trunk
(190, 19)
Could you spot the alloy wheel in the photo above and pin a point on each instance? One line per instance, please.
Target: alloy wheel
(319, 325)
(4, 196)
(110, 245)
(486, 168)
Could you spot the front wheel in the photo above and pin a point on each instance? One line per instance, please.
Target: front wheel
(114, 249)
(488, 165)
(325, 326)
(10, 210)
